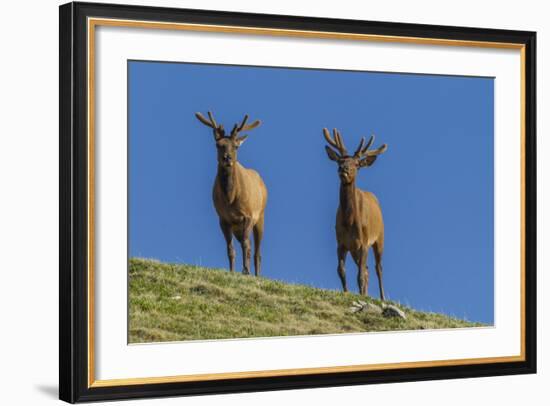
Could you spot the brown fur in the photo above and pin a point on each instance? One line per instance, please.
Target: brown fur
(239, 195)
(359, 222)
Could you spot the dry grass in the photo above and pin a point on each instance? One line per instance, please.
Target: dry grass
(170, 302)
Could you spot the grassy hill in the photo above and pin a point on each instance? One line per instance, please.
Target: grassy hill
(170, 302)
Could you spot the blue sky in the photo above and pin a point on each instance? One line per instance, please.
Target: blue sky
(434, 184)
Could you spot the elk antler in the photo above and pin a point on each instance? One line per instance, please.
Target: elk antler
(337, 142)
(218, 129)
(378, 151)
(359, 149)
(210, 123)
(237, 128)
(363, 152)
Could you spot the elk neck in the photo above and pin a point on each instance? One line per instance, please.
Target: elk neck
(227, 177)
(348, 204)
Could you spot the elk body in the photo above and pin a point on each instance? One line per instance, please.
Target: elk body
(359, 223)
(239, 194)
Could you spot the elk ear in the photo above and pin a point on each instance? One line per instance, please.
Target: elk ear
(240, 140)
(368, 161)
(332, 155)
(371, 155)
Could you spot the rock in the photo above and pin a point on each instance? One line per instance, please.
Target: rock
(393, 311)
(356, 306)
(372, 308)
(360, 306)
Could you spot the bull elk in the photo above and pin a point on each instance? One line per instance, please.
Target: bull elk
(239, 194)
(359, 223)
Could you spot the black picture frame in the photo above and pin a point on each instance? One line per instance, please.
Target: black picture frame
(73, 254)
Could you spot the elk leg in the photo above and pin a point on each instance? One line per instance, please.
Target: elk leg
(342, 266)
(362, 272)
(377, 248)
(245, 244)
(227, 233)
(258, 234)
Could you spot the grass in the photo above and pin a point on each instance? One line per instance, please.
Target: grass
(174, 302)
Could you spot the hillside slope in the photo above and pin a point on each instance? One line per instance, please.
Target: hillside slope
(169, 302)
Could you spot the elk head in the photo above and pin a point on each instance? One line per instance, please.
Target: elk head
(348, 165)
(227, 145)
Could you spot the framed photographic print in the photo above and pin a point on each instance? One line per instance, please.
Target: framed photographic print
(256, 202)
